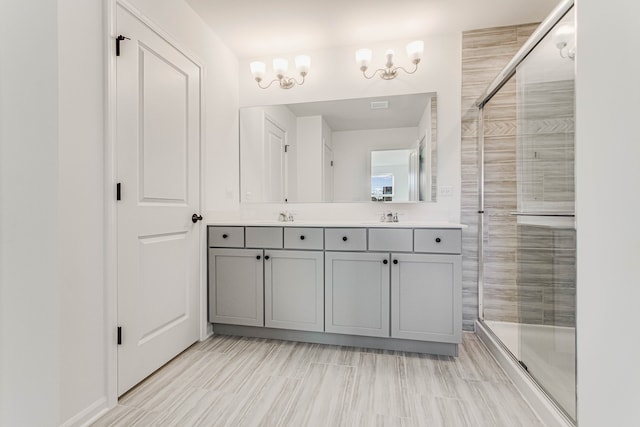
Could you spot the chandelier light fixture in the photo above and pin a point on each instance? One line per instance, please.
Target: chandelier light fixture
(415, 49)
(280, 66)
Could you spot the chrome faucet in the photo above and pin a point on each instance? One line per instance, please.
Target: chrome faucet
(395, 217)
(285, 216)
(389, 217)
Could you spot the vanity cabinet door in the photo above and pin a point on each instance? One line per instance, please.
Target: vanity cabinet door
(426, 297)
(294, 290)
(357, 293)
(236, 286)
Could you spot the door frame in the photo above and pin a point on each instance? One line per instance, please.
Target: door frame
(110, 180)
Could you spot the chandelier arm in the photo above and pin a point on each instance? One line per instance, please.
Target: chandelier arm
(295, 81)
(408, 72)
(269, 85)
(364, 73)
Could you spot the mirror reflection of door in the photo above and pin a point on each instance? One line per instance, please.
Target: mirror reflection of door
(274, 162)
(328, 173)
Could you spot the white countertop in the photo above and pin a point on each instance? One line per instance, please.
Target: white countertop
(345, 223)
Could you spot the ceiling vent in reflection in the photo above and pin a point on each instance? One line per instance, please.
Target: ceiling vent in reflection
(379, 105)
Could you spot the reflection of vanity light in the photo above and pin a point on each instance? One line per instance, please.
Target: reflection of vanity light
(564, 38)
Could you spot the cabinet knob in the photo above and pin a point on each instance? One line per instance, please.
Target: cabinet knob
(438, 240)
(302, 237)
(258, 257)
(224, 236)
(395, 261)
(344, 238)
(385, 261)
(266, 257)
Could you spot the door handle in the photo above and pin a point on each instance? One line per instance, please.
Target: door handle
(195, 218)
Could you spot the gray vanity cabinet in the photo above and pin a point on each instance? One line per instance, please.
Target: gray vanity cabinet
(236, 286)
(294, 290)
(426, 297)
(357, 293)
(396, 288)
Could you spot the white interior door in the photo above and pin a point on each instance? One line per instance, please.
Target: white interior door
(158, 139)
(274, 167)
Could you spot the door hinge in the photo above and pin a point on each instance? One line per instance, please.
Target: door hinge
(119, 335)
(118, 40)
(331, 162)
(118, 192)
(286, 148)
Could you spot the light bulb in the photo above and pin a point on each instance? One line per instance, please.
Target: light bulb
(363, 58)
(389, 54)
(303, 63)
(563, 35)
(258, 69)
(280, 66)
(415, 49)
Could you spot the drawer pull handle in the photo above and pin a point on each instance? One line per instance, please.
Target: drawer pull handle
(302, 237)
(395, 261)
(344, 238)
(385, 262)
(258, 257)
(224, 236)
(266, 257)
(438, 240)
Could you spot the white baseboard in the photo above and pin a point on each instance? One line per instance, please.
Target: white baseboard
(541, 404)
(88, 415)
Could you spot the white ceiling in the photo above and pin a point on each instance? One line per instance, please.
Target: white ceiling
(264, 27)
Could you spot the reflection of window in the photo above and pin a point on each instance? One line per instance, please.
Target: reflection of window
(382, 188)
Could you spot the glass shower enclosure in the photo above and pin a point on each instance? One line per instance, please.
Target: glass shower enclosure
(527, 233)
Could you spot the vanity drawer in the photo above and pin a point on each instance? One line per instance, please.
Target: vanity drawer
(226, 237)
(345, 239)
(391, 239)
(303, 238)
(264, 237)
(438, 240)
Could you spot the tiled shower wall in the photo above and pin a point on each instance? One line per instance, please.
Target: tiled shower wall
(484, 54)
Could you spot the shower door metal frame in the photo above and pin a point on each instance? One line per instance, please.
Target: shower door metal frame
(501, 79)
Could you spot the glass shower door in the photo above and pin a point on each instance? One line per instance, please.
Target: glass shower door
(545, 226)
(528, 249)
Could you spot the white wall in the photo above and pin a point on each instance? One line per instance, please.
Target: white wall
(608, 206)
(352, 158)
(334, 75)
(81, 206)
(53, 334)
(29, 283)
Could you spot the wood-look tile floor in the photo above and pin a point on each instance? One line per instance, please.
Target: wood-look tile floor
(233, 381)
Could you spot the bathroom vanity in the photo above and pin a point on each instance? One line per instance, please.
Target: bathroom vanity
(393, 286)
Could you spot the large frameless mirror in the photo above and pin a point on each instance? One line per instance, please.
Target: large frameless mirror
(338, 151)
